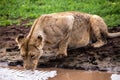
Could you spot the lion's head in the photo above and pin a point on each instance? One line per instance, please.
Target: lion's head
(30, 50)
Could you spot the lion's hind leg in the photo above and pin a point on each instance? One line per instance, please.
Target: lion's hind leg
(95, 27)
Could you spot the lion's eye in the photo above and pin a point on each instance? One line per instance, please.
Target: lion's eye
(32, 56)
(23, 56)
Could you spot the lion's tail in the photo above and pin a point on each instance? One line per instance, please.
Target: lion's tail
(112, 35)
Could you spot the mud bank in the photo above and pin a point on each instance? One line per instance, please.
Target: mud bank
(106, 58)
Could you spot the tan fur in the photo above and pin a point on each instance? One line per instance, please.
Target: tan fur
(58, 31)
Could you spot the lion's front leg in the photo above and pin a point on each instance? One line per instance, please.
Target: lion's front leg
(63, 45)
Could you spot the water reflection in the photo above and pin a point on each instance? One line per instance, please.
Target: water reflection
(4, 64)
(66, 74)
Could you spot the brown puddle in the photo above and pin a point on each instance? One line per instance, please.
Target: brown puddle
(64, 74)
(67, 74)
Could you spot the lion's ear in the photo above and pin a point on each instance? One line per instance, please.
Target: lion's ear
(19, 39)
(38, 41)
(39, 38)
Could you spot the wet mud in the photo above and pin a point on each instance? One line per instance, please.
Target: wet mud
(106, 58)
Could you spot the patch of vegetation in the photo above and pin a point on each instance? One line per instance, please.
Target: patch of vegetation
(13, 11)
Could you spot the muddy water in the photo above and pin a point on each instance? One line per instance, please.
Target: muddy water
(66, 74)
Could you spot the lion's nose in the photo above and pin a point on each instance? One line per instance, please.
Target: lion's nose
(28, 67)
(31, 69)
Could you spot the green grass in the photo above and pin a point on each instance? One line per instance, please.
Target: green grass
(14, 11)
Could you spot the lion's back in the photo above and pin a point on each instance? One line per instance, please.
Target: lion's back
(57, 25)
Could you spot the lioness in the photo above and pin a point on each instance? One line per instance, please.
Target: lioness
(60, 31)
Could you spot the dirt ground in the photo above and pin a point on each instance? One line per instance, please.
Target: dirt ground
(106, 58)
